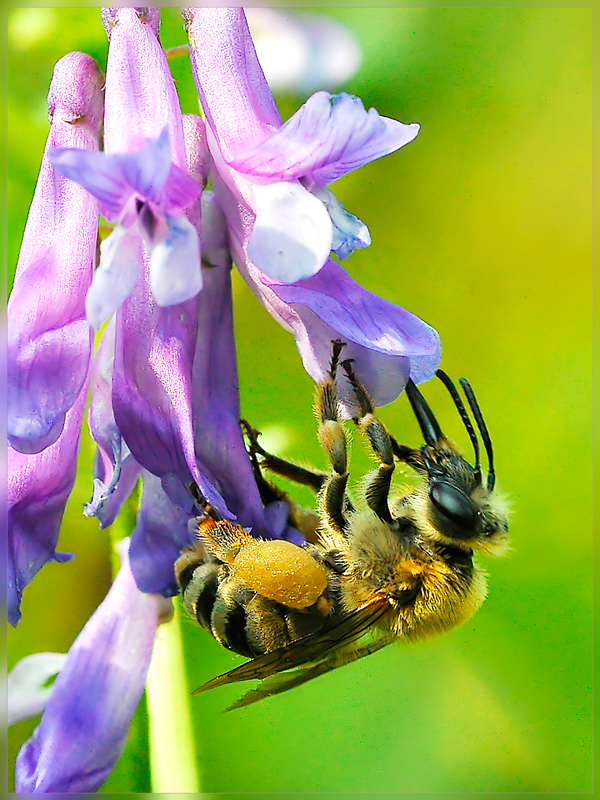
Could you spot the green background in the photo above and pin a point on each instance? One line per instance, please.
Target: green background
(483, 228)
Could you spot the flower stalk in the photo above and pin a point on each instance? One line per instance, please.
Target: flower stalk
(173, 757)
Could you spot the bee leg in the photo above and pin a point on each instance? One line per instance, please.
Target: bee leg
(378, 489)
(202, 502)
(305, 520)
(286, 469)
(266, 626)
(333, 440)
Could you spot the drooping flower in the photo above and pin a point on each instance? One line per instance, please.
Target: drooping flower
(84, 727)
(280, 239)
(137, 418)
(141, 180)
(146, 193)
(50, 343)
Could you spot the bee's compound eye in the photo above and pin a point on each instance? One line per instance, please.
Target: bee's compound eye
(456, 510)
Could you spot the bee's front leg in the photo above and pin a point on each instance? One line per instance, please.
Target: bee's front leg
(332, 437)
(378, 489)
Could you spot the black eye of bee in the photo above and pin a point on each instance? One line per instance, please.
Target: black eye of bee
(456, 510)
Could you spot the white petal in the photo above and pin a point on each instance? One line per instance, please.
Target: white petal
(175, 273)
(27, 694)
(292, 235)
(119, 268)
(349, 232)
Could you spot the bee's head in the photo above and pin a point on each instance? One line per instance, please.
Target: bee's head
(461, 507)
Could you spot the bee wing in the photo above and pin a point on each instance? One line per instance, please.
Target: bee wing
(321, 651)
(278, 683)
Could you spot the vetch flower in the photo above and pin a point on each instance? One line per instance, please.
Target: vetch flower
(141, 180)
(147, 194)
(84, 727)
(175, 407)
(49, 340)
(327, 138)
(260, 172)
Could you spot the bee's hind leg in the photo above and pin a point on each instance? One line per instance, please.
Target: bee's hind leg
(303, 519)
(378, 489)
(333, 440)
(207, 509)
(279, 466)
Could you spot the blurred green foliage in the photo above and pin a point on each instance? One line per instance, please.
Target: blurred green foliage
(482, 227)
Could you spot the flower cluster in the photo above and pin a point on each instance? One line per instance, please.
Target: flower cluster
(164, 404)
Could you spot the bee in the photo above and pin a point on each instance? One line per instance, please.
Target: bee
(397, 569)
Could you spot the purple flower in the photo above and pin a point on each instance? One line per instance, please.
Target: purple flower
(141, 180)
(50, 343)
(84, 727)
(281, 233)
(328, 137)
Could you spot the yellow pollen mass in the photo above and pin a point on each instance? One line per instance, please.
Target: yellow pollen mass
(281, 571)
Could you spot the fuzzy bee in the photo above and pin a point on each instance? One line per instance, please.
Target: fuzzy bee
(397, 569)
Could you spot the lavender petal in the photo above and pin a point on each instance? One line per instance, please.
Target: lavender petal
(180, 190)
(146, 169)
(38, 488)
(49, 341)
(84, 728)
(329, 136)
(160, 534)
(99, 174)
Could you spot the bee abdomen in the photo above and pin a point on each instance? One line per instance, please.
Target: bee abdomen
(199, 586)
(218, 605)
(228, 618)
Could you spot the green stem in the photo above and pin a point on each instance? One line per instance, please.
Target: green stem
(173, 758)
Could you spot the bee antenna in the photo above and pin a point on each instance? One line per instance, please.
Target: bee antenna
(464, 415)
(487, 442)
(429, 425)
